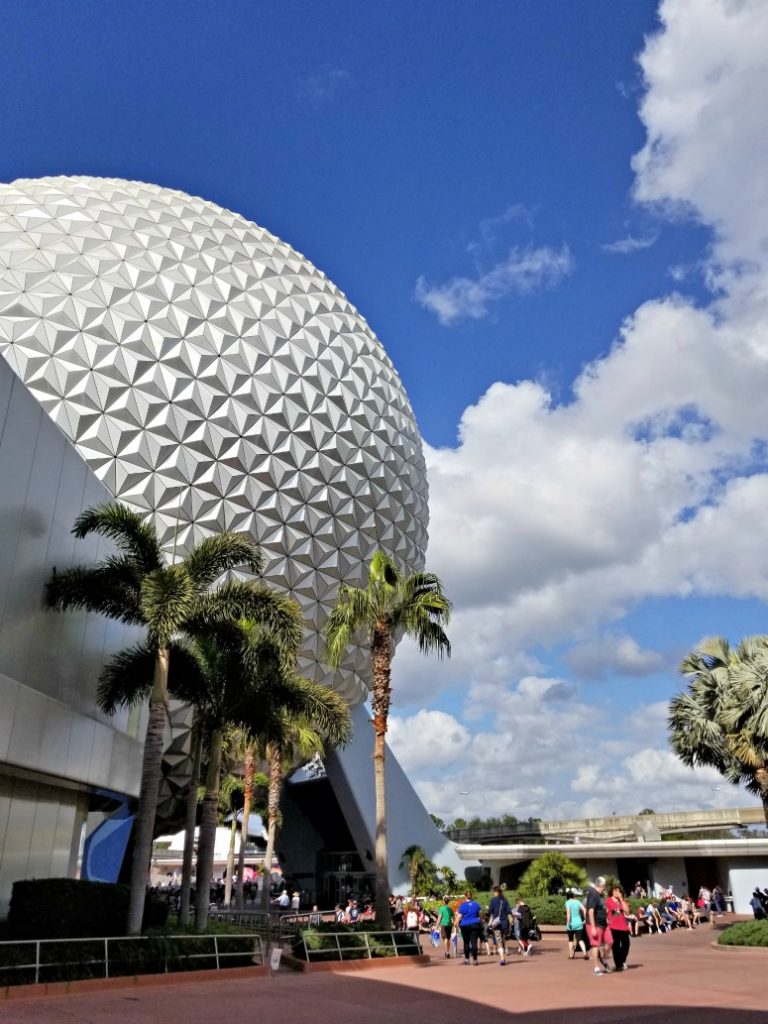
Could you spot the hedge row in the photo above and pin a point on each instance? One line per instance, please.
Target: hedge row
(72, 908)
(745, 933)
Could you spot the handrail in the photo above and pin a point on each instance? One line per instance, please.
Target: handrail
(396, 938)
(216, 952)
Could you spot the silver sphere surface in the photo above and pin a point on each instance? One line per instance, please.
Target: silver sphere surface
(213, 379)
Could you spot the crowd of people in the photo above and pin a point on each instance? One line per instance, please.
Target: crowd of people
(495, 929)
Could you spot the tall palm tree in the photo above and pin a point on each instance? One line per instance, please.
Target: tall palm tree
(391, 604)
(190, 823)
(138, 586)
(237, 674)
(721, 719)
(249, 774)
(292, 737)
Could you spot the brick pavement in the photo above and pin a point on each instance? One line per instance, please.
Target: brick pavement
(673, 979)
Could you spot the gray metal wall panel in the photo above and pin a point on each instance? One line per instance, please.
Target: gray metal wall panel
(50, 722)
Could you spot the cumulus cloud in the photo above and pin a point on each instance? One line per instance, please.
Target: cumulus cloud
(649, 482)
(523, 271)
(428, 738)
(612, 655)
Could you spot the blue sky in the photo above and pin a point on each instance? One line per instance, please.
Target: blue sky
(464, 172)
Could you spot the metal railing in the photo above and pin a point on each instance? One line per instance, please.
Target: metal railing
(106, 957)
(373, 945)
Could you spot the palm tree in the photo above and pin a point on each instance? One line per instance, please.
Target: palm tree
(721, 719)
(190, 822)
(292, 737)
(139, 587)
(416, 859)
(391, 604)
(249, 774)
(227, 671)
(232, 674)
(552, 873)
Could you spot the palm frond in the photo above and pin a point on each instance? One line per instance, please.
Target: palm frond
(126, 679)
(383, 570)
(167, 600)
(217, 554)
(126, 528)
(353, 612)
(253, 602)
(104, 589)
(324, 708)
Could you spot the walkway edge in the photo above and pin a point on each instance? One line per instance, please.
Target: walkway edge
(63, 988)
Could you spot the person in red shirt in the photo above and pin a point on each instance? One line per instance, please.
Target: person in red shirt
(617, 909)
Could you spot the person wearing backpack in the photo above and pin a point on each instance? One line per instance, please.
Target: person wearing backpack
(523, 924)
(499, 911)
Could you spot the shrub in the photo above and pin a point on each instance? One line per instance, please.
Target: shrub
(321, 942)
(72, 908)
(552, 873)
(745, 933)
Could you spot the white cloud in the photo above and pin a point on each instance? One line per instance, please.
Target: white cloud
(705, 76)
(524, 270)
(428, 738)
(322, 87)
(630, 244)
(613, 655)
(650, 482)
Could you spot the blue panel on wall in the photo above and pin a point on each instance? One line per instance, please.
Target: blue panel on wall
(105, 847)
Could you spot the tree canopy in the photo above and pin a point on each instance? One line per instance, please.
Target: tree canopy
(721, 719)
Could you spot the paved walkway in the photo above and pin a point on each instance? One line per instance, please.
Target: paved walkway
(673, 979)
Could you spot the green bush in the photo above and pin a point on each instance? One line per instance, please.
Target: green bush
(745, 933)
(72, 908)
(321, 942)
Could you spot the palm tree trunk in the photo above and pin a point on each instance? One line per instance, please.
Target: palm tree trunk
(381, 655)
(189, 828)
(275, 759)
(250, 769)
(230, 861)
(207, 839)
(761, 778)
(151, 769)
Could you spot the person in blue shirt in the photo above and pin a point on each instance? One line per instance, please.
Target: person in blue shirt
(468, 921)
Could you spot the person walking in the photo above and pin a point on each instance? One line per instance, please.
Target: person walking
(500, 912)
(468, 921)
(756, 904)
(617, 909)
(523, 923)
(574, 926)
(597, 925)
(445, 918)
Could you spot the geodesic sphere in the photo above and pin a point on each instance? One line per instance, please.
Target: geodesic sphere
(212, 377)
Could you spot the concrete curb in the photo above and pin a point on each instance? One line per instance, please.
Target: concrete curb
(64, 988)
(739, 949)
